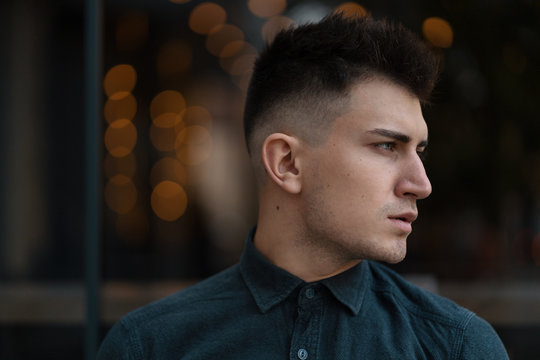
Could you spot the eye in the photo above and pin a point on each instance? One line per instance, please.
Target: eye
(388, 146)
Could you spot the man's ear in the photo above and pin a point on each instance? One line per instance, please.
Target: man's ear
(279, 155)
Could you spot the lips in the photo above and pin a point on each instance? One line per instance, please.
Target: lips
(407, 217)
(403, 221)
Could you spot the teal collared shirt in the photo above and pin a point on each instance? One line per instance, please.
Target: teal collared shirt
(255, 310)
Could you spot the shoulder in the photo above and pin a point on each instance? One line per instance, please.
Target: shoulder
(153, 327)
(469, 336)
(221, 287)
(417, 301)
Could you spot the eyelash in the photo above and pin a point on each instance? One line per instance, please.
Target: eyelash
(391, 146)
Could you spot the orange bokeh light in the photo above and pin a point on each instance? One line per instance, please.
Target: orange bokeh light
(164, 139)
(234, 50)
(120, 137)
(206, 16)
(196, 115)
(222, 35)
(168, 168)
(124, 108)
(166, 107)
(438, 32)
(351, 9)
(267, 8)
(119, 81)
(168, 200)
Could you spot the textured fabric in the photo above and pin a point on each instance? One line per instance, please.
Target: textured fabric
(255, 310)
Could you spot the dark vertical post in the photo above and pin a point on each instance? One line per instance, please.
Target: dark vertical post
(93, 196)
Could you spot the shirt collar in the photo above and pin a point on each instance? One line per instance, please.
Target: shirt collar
(350, 286)
(270, 285)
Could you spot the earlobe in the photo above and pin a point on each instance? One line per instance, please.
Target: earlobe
(279, 155)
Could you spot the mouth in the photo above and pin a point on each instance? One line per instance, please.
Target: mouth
(406, 217)
(404, 221)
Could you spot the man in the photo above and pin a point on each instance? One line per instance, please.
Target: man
(334, 127)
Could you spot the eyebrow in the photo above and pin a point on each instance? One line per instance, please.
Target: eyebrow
(396, 136)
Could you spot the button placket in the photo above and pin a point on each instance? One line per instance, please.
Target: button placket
(306, 334)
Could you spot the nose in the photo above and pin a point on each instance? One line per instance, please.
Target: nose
(413, 182)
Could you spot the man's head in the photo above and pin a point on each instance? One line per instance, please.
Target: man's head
(335, 130)
(301, 81)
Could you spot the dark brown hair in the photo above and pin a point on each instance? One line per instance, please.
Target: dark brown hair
(322, 60)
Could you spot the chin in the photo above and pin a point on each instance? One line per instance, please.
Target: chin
(393, 256)
(394, 259)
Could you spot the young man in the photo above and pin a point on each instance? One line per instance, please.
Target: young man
(334, 127)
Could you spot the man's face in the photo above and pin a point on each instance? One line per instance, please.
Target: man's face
(360, 187)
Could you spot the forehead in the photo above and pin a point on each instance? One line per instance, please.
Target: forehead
(379, 103)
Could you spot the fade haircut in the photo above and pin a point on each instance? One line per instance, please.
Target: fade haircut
(301, 81)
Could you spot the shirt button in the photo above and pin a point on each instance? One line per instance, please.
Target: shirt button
(302, 354)
(310, 293)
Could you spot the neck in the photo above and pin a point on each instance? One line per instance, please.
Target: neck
(282, 242)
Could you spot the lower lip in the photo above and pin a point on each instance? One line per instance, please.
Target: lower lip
(402, 225)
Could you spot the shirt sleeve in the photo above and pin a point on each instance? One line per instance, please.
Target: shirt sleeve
(118, 344)
(481, 342)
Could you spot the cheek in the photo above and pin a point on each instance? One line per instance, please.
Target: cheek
(354, 176)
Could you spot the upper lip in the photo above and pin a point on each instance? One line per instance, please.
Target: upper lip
(407, 216)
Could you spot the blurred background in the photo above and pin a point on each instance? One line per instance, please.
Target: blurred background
(176, 196)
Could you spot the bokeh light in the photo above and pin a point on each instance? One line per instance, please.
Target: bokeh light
(113, 166)
(163, 139)
(119, 81)
(196, 115)
(242, 80)
(120, 137)
(274, 25)
(166, 107)
(243, 64)
(120, 194)
(351, 9)
(267, 8)
(124, 108)
(174, 57)
(168, 200)
(438, 32)
(233, 48)
(168, 168)
(131, 31)
(222, 35)
(206, 16)
(232, 51)
(193, 145)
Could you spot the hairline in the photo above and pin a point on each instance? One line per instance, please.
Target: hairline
(285, 108)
